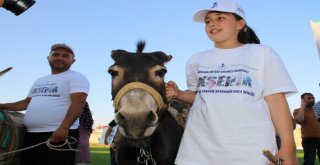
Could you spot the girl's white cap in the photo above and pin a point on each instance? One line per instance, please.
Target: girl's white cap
(222, 6)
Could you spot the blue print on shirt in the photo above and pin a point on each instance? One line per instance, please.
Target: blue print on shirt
(225, 80)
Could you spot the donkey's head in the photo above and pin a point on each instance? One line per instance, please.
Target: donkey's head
(138, 90)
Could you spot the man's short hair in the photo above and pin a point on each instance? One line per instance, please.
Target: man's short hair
(305, 94)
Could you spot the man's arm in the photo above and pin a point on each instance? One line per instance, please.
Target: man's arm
(298, 115)
(108, 132)
(16, 106)
(78, 101)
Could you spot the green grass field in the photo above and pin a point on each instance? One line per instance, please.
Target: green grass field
(100, 156)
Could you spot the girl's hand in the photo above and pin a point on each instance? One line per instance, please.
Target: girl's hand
(288, 155)
(172, 90)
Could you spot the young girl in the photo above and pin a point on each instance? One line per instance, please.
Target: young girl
(237, 91)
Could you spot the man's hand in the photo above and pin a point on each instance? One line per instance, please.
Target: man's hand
(303, 105)
(59, 135)
(106, 140)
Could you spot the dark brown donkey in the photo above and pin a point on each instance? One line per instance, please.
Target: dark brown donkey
(149, 133)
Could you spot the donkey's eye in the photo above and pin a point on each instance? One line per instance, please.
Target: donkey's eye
(161, 72)
(113, 73)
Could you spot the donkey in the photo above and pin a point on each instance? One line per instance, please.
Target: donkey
(149, 133)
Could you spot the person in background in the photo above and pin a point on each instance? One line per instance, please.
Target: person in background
(238, 94)
(310, 128)
(316, 108)
(110, 139)
(85, 129)
(53, 107)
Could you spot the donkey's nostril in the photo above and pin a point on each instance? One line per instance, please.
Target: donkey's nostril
(151, 117)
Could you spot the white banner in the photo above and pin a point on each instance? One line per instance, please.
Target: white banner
(315, 25)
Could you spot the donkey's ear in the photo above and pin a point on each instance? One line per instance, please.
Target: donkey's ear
(162, 56)
(118, 54)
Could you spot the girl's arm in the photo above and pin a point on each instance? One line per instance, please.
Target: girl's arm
(281, 118)
(173, 92)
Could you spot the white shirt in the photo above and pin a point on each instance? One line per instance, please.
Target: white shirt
(51, 100)
(229, 122)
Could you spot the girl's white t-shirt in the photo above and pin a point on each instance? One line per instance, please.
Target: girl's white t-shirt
(229, 122)
(51, 100)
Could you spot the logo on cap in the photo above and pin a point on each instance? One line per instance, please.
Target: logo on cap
(215, 4)
(240, 10)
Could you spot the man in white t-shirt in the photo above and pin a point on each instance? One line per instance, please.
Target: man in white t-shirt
(53, 106)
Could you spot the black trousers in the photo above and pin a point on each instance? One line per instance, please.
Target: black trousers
(113, 157)
(311, 148)
(42, 155)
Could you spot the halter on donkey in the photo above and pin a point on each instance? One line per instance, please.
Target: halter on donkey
(149, 132)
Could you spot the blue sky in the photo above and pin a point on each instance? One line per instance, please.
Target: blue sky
(94, 28)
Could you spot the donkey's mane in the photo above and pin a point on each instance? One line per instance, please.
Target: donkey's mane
(140, 46)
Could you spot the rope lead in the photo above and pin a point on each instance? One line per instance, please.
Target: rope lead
(49, 145)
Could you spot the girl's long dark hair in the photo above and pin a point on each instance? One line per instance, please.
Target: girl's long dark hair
(247, 35)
